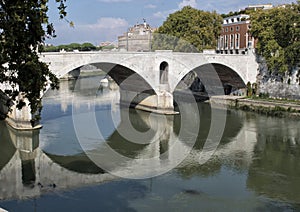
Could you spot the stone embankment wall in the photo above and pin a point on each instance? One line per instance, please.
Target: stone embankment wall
(278, 85)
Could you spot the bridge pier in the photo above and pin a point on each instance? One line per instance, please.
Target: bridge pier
(161, 103)
(17, 119)
(26, 143)
(21, 119)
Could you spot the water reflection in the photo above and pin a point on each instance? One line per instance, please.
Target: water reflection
(275, 168)
(255, 167)
(39, 170)
(28, 172)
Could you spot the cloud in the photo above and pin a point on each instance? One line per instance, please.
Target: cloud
(105, 29)
(163, 14)
(192, 3)
(183, 3)
(114, 1)
(225, 6)
(107, 23)
(150, 6)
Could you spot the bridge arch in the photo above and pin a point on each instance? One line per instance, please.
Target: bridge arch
(230, 78)
(134, 87)
(62, 63)
(121, 74)
(126, 78)
(213, 74)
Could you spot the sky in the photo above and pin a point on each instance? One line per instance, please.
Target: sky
(96, 21)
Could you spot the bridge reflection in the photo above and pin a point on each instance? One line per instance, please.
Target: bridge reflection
(275, 170)
(27, 171)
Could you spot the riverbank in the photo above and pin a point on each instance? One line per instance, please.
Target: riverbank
(271, 107)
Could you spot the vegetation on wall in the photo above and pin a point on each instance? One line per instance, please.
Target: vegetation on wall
(278, 33)
(24, 26)
(188, 30)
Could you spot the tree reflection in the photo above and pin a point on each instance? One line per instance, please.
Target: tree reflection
(275, 170)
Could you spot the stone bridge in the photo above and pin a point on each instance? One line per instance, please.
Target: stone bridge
(147, 80)
(233, 69)
(159, 73)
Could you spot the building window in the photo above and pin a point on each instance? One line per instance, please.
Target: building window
(249, 44)
(231, 29)
(237, 28)
(231, 41)
(226, 42)
(222, 42)
(226, 29)
(237, 41)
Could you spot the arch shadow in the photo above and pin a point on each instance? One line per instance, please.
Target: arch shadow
(221, 80)
(128, 81)
(125, 77)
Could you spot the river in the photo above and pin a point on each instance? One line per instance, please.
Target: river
(94, 155)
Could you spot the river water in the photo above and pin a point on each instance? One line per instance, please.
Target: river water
(84, 158)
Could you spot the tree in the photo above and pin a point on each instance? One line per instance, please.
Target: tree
(188, 30)
(69, 47)
(24, 26)
(87, 47)
(278, 33)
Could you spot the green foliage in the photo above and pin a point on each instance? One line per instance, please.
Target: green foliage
(276, 111)
(23, 27)
(235, 13)
(278, 34)
(188, 30)
(70, 47)
(87, 47)
(264, 95)
(249, 89)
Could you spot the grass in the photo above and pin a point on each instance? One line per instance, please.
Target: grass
(276, 111)
(279, 100)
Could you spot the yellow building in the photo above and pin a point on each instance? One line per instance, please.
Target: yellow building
(137, 38)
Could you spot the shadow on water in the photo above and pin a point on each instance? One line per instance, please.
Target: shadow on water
(233, 125)
(79, 163)
(121, 144)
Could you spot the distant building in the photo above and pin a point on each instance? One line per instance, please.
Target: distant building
(106, 43)
(235, 37)
(259, 7)
(137, 38)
